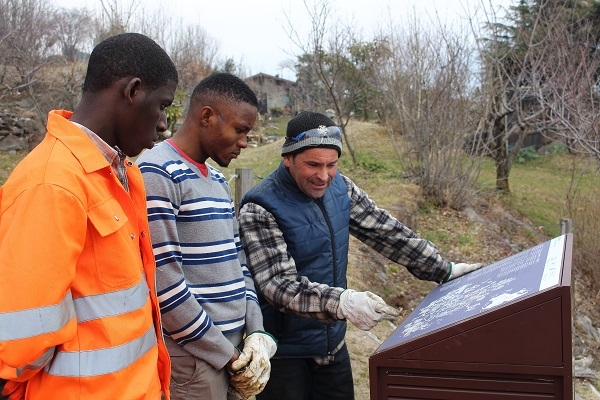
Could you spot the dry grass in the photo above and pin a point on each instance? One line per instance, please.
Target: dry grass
(586, 226)
(539, 188)
(8, 163)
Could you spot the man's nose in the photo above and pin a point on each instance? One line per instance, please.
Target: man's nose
(162, 122)
(243, 141)
(322, 174)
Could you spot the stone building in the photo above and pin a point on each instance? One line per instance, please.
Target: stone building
(273, 93)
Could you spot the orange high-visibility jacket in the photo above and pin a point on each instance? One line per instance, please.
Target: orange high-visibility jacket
(79, 317)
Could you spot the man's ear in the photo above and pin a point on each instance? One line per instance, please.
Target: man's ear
(132, 88)
(204, 114)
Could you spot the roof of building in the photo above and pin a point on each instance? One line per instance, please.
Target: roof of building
(277, 78)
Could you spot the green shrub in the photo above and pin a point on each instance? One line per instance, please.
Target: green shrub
(175, 110)
(526, 154)
(372, 165)
(557, 148)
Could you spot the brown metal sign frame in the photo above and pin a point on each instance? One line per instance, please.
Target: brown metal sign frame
(520, 350)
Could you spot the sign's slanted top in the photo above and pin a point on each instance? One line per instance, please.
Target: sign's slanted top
(523, 274)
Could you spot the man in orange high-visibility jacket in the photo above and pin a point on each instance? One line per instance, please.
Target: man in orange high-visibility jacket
(79, 316)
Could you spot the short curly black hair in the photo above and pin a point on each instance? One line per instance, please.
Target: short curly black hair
(226, 87)
(128, 55)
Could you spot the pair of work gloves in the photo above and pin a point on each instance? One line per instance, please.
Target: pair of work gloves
(365, 309)
(251, 371)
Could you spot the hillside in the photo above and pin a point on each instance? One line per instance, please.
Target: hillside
(487, 231)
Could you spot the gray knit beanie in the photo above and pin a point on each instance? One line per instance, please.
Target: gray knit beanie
(311, 129)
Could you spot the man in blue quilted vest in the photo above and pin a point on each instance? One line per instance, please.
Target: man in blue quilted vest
(295, 228)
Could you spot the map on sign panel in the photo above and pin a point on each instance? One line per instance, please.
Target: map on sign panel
(514, 277)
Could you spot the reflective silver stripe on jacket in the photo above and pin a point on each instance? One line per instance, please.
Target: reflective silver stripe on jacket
(17, 325)
(103, 361)
(37, 364)
(109, 304)
(33, 322)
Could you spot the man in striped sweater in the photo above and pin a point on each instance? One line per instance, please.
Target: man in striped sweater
(207, 296)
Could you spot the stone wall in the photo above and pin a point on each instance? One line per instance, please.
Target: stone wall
(16, 132)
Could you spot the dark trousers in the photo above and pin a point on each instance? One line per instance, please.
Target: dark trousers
(303, 379)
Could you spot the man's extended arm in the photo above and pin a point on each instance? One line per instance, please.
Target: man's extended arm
(388, 236)
(275, 272)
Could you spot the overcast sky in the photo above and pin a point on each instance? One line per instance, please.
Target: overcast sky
(254, 31)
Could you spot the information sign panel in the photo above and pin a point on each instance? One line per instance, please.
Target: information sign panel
(501, 332)
(517, 276)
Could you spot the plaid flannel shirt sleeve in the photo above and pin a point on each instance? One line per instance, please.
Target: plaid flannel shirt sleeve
(388, 236)
(274, 270)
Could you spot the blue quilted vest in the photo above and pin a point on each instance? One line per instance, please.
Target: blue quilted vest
(317, 234)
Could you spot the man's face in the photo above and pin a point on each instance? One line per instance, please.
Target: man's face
(313, 170)
(146, 119)
(228, 128)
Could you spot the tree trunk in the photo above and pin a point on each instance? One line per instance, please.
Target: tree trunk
(350, 148)
(500, 153)
(502, 172)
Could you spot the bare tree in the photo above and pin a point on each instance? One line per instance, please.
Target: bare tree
(28, 48)
(191, 48)
(43, 51)
(194, 52)
(62, 85)
(506, 103)
(4, 66)
(423, 73)
(28, 39)
(325, 54)
(539, 76)
(566, 81)
(116, 17)
(74, 32)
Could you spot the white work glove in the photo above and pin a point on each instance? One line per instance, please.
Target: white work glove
(364, 309)
(235, 393)
(461, 269)
(251, 371)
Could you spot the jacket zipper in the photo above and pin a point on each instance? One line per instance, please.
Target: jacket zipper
(322, 208)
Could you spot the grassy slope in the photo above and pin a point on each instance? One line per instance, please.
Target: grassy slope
(540, 187)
